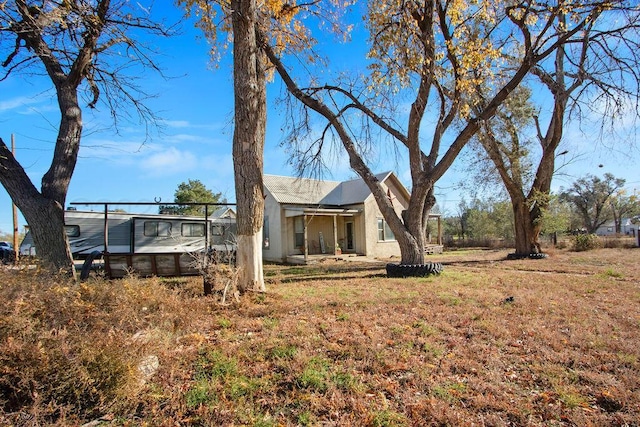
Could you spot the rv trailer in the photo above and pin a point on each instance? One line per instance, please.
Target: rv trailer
(129, 234)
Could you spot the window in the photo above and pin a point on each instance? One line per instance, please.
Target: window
(192, 229)
(217, 230)
(384, 232)
(298, 226)
(265, 233)
(72, 230)
(157, 228)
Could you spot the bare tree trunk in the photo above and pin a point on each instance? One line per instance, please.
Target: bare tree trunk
(46, 224)
(617, 222)
(44, 215)
(527, 231)
(248, 143)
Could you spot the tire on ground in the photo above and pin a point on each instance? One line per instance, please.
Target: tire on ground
(532, 255)
(414, 270)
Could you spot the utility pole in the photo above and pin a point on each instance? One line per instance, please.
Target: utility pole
(15, 211)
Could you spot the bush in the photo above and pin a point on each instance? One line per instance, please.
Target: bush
(586, 242)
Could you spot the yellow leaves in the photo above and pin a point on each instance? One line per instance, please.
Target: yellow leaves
(282, 10)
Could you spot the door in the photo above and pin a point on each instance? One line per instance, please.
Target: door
(349, 238)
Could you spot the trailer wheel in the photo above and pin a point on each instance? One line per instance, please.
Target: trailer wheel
(86, 267)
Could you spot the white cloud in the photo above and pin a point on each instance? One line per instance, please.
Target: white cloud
(169, 161)
(185, 124)
(38, 104)
(185, 137)
(14, 103)
(177, 123)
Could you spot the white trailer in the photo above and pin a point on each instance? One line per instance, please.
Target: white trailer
(129, 233)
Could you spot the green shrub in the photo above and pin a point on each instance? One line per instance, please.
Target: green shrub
(586, 242)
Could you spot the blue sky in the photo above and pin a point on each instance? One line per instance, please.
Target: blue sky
(196, 105)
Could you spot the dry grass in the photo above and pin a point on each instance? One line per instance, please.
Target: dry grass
(489, 342)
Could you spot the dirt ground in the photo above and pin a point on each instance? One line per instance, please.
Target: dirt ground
(489, 342)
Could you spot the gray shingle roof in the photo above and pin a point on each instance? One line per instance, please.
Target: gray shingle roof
(305, 191)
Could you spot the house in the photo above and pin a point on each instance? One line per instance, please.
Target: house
(628, 227)
(224, 212)
(308, 217)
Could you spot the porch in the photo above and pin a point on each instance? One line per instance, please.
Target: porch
(319, 233)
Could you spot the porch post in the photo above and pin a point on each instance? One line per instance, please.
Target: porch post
(306, 246)
(335, 234)
(439, 230)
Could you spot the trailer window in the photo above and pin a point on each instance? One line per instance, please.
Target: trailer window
(217, 230)
(157, 228)
(72, 230)
(192, 229)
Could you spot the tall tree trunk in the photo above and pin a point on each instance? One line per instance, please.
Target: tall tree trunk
(44, 216)
(46, 225)
(248, 143)
(527, 230)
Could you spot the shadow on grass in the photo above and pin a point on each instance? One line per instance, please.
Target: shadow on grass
(326, 277)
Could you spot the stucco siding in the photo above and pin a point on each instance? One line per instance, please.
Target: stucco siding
(375, 247)
(273, 212)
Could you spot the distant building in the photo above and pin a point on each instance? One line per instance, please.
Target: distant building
(627, 228)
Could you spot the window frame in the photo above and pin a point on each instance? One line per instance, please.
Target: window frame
(200, 226)
(265, 233)
(72, 230)
(298, 235)
(156, 232)
(385, 234)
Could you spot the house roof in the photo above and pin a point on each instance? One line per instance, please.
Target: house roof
(223, 212)
(302, 191)
(306, 191)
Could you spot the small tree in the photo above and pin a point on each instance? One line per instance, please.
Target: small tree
(489, 219)
(192, 191)
(556, 218)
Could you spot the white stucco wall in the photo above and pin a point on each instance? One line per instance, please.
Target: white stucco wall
(376, 248)
(274, 213)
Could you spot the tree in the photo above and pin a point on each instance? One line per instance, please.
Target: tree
(488, 219)
(249, 82)
(77, 46)
(623, 205)
(596, 70)
(244, 19)
(591, 196)
(557, 218)
(504, 142)
(437, 53)
(192, 191)
(250, 91)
